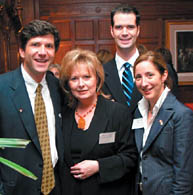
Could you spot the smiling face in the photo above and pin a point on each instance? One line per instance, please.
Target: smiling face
(39, 53)
(149, 81)
(83, 83)
(125, 31)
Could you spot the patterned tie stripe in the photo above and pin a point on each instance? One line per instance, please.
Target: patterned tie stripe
(127, 82)
(48, 180)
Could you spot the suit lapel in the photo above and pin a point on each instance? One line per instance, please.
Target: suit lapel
(135, 97)
(97, 126)
(161, 119)
(56, 96)
(139, 138)
(113, 83)
(138, 132)
(22, 103)
(68, 119)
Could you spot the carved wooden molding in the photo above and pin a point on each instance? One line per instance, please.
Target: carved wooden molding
(10, 20)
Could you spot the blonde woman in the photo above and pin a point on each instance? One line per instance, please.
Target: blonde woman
(100, 151)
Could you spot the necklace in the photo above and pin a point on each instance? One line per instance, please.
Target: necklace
(81, 120)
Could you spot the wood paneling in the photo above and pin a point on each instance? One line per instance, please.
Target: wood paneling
(64, 27)
(64, 47)
(90, 23)
(84, 30)
(30, 10)
(2, 56)
(104, 29)
(14, 57)
(86, 24)
(92, 34)
(90, 20)
(185, 94)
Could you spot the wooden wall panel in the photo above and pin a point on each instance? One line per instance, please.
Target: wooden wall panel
(185, 94)
(92, 34)
(86, 23)
(104, 29)
(64, 27)
(86, 46)
(64, 47)
(30, 10)
(153, 14)
(150, 33)
(90, 22)
(2, 57)
(84, 30)
(14, 57)
(109, 46)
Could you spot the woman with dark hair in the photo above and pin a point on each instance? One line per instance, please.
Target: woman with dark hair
(163, 132)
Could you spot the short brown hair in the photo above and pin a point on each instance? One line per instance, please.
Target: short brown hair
(38, 28)
(125, 9)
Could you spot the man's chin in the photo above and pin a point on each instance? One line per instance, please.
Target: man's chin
(125, 46)
(42, 68)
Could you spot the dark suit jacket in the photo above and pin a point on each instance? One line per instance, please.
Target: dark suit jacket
(174, 77)
(167, 161)
(113, 86)
(116, 160)
(17, 121)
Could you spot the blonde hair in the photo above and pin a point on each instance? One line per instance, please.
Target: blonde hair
(73, 58)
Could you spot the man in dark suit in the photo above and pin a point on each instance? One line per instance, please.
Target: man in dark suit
(125, 28)
(39, 41)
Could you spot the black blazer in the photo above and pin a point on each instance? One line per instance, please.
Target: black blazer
(113, 86)
(17, 121)
(116, 160)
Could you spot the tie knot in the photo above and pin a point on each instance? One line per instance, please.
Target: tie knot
(39, 88)
(127, 65)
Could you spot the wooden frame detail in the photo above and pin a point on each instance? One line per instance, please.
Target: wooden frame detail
(179, 44)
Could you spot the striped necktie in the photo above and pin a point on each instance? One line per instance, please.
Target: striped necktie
(48, 180)
(127, 82)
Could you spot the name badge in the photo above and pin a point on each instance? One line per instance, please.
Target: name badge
(137, 123)
(106, 138)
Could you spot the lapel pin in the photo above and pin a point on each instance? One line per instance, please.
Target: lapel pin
(161, 122)
(60, 115)
(20, 110)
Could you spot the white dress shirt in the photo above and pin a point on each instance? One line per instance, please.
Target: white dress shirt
(31, 86)
(143, 106)
(120, 63)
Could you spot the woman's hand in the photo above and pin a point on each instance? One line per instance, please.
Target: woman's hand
(85, 169)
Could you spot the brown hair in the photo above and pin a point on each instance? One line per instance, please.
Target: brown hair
(38, 28)
(125, 9)
(104, 56)
(158, 61)
(142, 49)
(73, 58)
